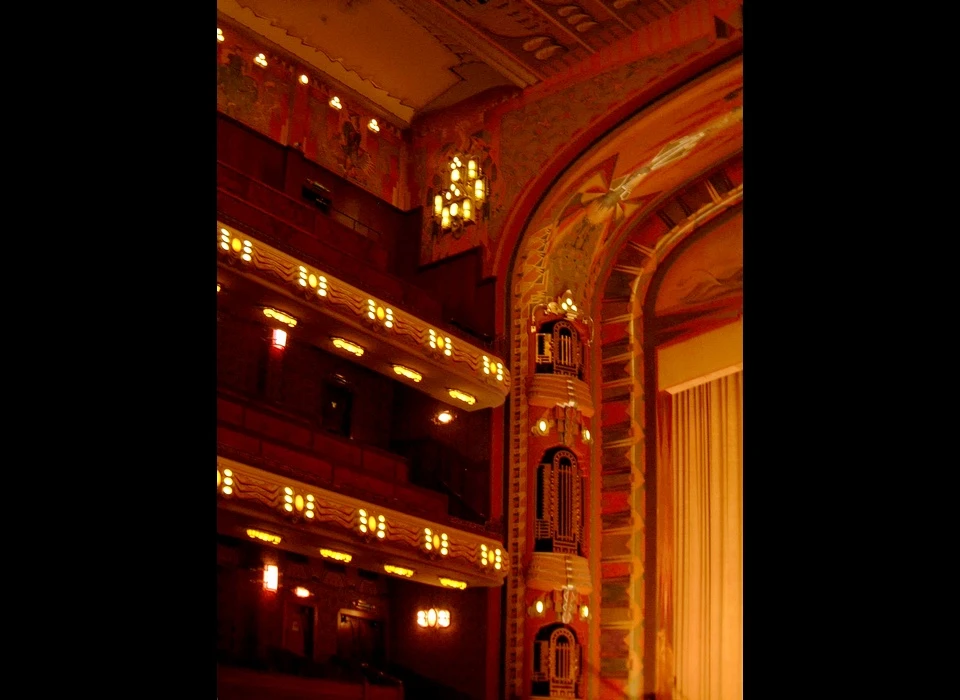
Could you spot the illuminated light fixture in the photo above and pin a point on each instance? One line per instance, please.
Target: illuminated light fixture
(308, 279)
(433, 618)
(435, 541)
(397, 570)
(459, 202)
(271, 577)
(407, 372)
(586, 435)
(263, 536)
(584, 612)
(491, 557)
(443, 417)
(348, 346)
(542, 427)
(301, 592)
(297, 502)
(261, 60)
(493, 368)
(220, 36)
(227, 487)
(379, 313)
(373, 126)
(281, 317)
(568, 305)
(368, 523)
(336, 556)
(539, 607)
(218, 287)
(335, 102)
(441, 343)
(242, 247)
(453, 583)
(462, 396)
(279, 338)
(304, 79)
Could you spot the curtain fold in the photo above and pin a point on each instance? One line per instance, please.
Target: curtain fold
(701, 542)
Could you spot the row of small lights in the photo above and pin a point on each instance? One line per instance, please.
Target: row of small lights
(368, 524)
(542, 428)
(261, 61)
(378, 313)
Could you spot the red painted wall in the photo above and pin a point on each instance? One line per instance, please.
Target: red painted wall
(453, 656)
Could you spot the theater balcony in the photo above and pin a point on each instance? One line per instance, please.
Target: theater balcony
(303, 297)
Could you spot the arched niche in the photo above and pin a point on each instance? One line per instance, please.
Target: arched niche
(557, 663)
(559, 507)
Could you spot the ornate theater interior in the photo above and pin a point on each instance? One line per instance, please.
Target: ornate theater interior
(479, 349)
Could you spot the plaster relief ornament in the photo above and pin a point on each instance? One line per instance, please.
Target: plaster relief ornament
(568, 424)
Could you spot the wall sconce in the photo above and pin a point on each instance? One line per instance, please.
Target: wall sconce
(279, 338)
(261, 60)
(304, 79)
(220, 36)
(539, 607)
(542, 427)
(407, 372)
(460, 201)
(335, 102)
(462, 396)
(301, 592)
(271, 577)
(443, 418)
(280, 316)
(373, 126)
(584, 612)
(586, 435)
(342, 344)
(433, 618)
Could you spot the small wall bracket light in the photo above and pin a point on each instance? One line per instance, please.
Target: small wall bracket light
(433, 618)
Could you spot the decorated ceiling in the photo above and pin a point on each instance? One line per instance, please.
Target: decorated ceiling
(414, 56)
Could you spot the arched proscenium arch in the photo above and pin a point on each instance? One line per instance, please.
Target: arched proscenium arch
(607, 192)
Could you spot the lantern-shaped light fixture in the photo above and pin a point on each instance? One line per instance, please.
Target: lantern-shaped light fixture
(460, 200)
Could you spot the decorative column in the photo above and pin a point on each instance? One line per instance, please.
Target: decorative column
(557, 582)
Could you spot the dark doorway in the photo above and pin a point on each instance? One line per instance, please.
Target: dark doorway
(360, 640)
(335, 408)
(300, 630)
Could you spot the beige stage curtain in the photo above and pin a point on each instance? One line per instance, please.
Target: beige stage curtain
(701, 577)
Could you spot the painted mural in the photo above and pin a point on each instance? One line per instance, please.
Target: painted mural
(709, 270)
(274, 102)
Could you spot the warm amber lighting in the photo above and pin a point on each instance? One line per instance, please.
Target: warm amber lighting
(369, 523)
(586, 435)
(271, 577)
(220, 36)
(373, 126)
(227, 482)
(348, 346)
(539, 607)
(584, 612)
(491, 557)
(407, 372)
(218, 287)
(433, 618)
(263, 536)
(453, 583)
(279, 338)
(440, 342)
(397, 570)
(335, 102)
(280, 316)
(379, 313)
(301, 592)
(309, 279)
(435, 541)
(462, 396)
(543, 427)
(443, 417)
(336, 556)
(229, 242)
(304, 79)
(261, 60)
(463, 191)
